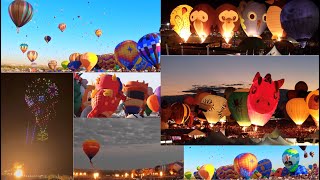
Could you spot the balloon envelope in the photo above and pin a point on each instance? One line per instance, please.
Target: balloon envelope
(245, 164)
(149, 49)
(153, 103)
(23, 47)
(88, 60)
(32, 55)
(297, 109)
(91, 148)
(206, 171)
(313, 105)
(290, 159)
(74, 65)
(264, 167)
(47, 38)
(127, 54)
(179, 20)
(237, 104)
(20, 12)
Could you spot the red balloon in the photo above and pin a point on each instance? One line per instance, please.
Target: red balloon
(189, 100)
(91, 148)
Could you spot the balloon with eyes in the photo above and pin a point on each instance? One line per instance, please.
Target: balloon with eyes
(252, 18)
(106, 96)
(228, 20)
(179, 19)
(137, 94)
(263, 99)
(202, 20)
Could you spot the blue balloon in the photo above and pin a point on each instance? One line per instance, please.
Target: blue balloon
(285, 172)
(74, 65)
(301, 170)
(149, 49)
(264, 167)
(310, 166)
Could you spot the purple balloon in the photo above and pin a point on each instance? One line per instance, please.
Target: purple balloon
(157, 92)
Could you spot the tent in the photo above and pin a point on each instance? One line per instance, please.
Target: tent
(196, 134)
(273, 52)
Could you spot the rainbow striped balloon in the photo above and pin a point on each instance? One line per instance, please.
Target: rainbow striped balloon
(20, 12)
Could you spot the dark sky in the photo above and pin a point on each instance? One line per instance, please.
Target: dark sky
(55, 156)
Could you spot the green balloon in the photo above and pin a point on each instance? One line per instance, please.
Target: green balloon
(64, 64)
(148, 111)
(116, 67)
(198, 168)
(188, 175)
(237, 104)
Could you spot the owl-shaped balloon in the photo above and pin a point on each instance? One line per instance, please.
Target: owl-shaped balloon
(202, 20)
(228, 20)
(252, 18)
(179, 19)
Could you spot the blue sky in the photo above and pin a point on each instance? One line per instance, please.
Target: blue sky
(224, 155)
(118, 20)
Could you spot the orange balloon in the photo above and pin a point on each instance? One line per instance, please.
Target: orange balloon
(88, 60)
(91, 148)
(74, 57)
(153, 103)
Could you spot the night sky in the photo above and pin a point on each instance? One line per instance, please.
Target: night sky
(54, 156)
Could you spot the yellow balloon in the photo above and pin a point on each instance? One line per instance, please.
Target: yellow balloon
(88, 60)
(313, 105)
(179, 19)
(98, 32)
(274, 23)
(217, 108)
(297, 110)
(206, 171)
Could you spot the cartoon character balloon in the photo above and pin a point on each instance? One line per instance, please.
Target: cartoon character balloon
(32, 55)
(217, 107)
(290, 159)
(62, 26)
(206, 171)
(252, 18)
(127, 54)
(91, 148)
(179, 19)
(274, 23)
(98, 32)
(228, 20)
(20, 12)
(297, 109)
(263, 99)
(202, 20)
(245, 164)
(313, 105)
(88, 60)
(237, 104)
(106, 96)
(137, 93)
(23, 47)
(150, 49)
(264, 167)
(300, 20)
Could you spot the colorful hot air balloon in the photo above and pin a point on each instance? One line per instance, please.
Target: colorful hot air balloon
(62, 26)
(137, 93)
(74, 65)
(150, 49)
(202, 20)
(180, 112)
(216, 107)
(32, 55)
(237, 104)
(227, 172)
(301, 170)
(179, 20)
(20, 12)
(206, 171)
(52, 64)
(157, 92)
(264, 167)
(47, 38)
(300, 20)
(245, 164)
(127, 54)
(88, 60)
(297, 109)
(263, 99)
(153, 103)
(106, 61)
(290, 159)
(91, 148)
(74, 57)
(23, 47)
(142, 64)
(313, 105)
(98, 32)
(278, 172)
(228, 20)
(188, 175)
(274, 23)
(64, 64)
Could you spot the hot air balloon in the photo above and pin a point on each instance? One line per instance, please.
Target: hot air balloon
(206, 171)
(216, 107)
(23, 47)
(290, 159)
(47, 38)
(62, 26)
(274, 23)
(98, 32)
(157, 92)
(297, 110)
(198, 98)
(32, 55)
(127, 54)
(264, 167)
(189, 100)
(65, 64)
(142, 64)
(227, 172)
(252, 18)
(88, 60)
(20, 12)
(202, 20)
(188, 174)
(150, 49)
(299, 19)
(179, 20)
(228, 20)
(74, 57)
(74, 65)
(311, 153)
(313, 105)
(137, 93)
(52, 64)
(245, 164)
(263, 99)
(91, 148)
(153, 103)
(301, 170)
(180, 112)
(106, 61)
(278, 172)
(237, 104)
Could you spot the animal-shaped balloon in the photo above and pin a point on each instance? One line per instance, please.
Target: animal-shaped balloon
(217, 108)
(264, 167)
(228, 20)
(263, 99)
(290, 159)
(245, 164)
(237, 104)
(179, 19)
(274, 23)
(206, 171)
(297, 109)
(252, 18)
(137, 94)
(313, 105)
(202, 20)
(86, 98)
(20, 12)
(106, 96)
(23, 47)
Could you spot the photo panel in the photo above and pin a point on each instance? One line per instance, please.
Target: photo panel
(36, 126)
(251, 162)
(235, 100)
(120, 148)
(241, 27)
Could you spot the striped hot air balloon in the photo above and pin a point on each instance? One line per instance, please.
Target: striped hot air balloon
(180, 112)
(245, 164)
(149, 49)
(32, 55)
(23, 47)
(74, 57)
(126, 53)
(20, 12)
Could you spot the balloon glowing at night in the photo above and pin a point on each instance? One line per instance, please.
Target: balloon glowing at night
(179, 19)
(18, 173)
